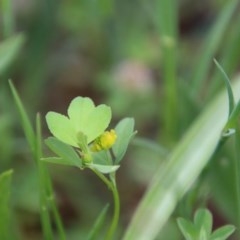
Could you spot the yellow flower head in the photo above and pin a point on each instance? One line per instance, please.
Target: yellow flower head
(104, 141)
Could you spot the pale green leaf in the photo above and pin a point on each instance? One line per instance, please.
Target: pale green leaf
(203, 235)
(67, 154)
(223, 233)
(187, 228)
(203, 219)
(186, 162)
(59, 160)
(101, 158)
(104, 168)
(98, 121)
(61, 128)
(79, 110)
(87, 118)
(124, 131)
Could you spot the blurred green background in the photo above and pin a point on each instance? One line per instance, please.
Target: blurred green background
(113, 52)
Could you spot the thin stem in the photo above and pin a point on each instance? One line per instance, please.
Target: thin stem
(113, 187)
(103, 178)
(47, 195)
(56, 215)
(237, 175)
(45, 217)
(116, 213)
(8, 20)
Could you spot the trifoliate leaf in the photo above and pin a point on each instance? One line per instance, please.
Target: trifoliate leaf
(84, 117)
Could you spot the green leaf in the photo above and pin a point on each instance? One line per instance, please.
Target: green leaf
(203, 235)
(87, 118)
(105, 169)
(101, 158)
(222, 233)
(67, 154)
(187, 228)
(232, 120)
(61, 127)
(5, 181)
(9, 50)
(124, 131)
(58, 160)
(211, 44)
(84, 118)
(229, 88)
(94, 233)
(203, 219)
(186, 162)
(27, 127)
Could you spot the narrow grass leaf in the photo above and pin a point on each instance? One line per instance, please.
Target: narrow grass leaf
(233, 118)
(211, 45)
(94, 233)
(5, 181)
(9, 50)
(223, 233)
(43, 181)
(229, 88)
(186, 162)
(67, 154)
(26, 124)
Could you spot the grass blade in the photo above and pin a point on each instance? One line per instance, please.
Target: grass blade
(186, 162)
(211, 45)
(9, 50)
(229, 88)
(93, 235)
(5, 180)
(7, 17)
(27, 127)
(167, 14)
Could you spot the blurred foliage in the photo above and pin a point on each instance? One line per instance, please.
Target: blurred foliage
(112, 52)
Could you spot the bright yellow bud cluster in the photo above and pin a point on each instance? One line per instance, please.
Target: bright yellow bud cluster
(105, 141)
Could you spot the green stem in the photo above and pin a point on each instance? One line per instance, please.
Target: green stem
(46, 192)
(111, 184)
(237, 175)
(116, 213)
(45, 216)
(167, 13)
(44, 213)
(7, 18)
(56, 215)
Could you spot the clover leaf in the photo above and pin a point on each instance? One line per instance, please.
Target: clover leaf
(201, 228)
(83, 117)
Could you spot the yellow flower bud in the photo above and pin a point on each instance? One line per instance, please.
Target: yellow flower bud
(105, 141)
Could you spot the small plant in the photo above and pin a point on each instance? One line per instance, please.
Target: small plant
(81, 140)
(201, 227)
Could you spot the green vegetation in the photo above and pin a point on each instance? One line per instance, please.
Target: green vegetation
(119, 120)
